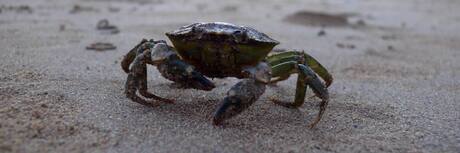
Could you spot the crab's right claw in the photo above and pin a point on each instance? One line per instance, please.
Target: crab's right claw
(239, 98)
(229, 108)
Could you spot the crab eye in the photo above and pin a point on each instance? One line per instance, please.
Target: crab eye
(193, 29)
(238, 32)
(240, 36)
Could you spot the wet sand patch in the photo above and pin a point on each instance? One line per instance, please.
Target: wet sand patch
(309, 18)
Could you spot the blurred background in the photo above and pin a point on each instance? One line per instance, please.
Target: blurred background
(395, 65)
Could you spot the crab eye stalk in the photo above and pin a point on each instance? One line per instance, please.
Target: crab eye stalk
(240, 36)
(195, 29)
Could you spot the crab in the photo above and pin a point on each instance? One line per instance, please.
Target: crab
(219, 50)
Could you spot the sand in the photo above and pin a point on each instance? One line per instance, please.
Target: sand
(395, 63)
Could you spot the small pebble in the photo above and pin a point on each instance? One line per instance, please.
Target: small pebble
(105, 27)
(391, 48)
(61, 27)
(348, 46)
(321, 33)
(100, 46)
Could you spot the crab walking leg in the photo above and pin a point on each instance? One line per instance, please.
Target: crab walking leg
(318, 68)
(304, 58)
(306, 77)
(281, 59)
(239, 98)
(130, 90)
(143, 90)
(280, 78)
(319, 89)
(301, 87)
(129, 58)
(132, 82)
(137, 81)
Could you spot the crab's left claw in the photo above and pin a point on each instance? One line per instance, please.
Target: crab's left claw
(198, 81)
(185, 74)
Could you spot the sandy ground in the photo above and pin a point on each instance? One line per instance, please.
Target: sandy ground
(396, 67)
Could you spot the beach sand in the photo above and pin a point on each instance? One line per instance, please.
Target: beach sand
(395, 65)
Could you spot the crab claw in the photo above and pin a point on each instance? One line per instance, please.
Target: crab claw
(229, 108)
(174, 69)
(200, 82)
(239, 98)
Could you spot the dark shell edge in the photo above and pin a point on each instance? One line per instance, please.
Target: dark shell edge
(220, 28)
